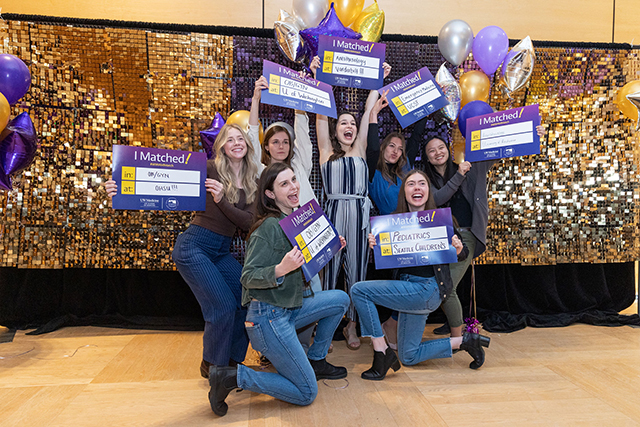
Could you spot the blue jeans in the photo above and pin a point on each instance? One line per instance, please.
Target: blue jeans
(213, 274)
(414, 297)
(272, 331)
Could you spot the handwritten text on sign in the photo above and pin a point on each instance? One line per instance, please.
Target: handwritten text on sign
(413, 239)
(508, 133)
(155, 179)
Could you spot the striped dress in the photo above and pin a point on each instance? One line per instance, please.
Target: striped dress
(346, 184)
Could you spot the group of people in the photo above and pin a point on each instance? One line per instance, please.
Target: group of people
(252, 185)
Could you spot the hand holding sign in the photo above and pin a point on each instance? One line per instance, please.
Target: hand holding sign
(215, 188)
(292, 260)
(456, 243)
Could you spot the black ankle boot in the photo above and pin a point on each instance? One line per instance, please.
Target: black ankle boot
(204, 368)
(472, 344)
(222, 380)
(326, 371)
(381, 364)
(443, 330)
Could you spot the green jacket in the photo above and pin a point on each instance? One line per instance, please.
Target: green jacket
(267, 246)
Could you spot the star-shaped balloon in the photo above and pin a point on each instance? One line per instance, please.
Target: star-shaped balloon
(208, 136)
(18, 145)
(634, 98)
(288, 38)
(452, 92)
(5, 180)
(329, 26)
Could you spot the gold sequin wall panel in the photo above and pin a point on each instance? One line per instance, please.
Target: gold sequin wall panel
(94, 87)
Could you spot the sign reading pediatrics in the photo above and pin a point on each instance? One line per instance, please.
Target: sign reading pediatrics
(413, 239)
(288, 89)
(508, 133)
(415, 96)
(310, 229)
(155, 179)
(351, 63)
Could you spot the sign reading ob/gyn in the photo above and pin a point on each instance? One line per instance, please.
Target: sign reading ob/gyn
(155, 179)
(415, 96)
(413, 239)
(508, 133)
(288, 89)
(351, 63)
(310, 230)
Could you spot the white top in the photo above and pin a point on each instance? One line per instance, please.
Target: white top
(302, 160)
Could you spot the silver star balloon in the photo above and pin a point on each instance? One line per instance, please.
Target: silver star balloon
(287, 34)
(634, 98)
(517, 66)
(452, 92)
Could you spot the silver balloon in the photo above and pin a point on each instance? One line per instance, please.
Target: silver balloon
(455, 41)
(309, 13)
(452, 92)
(287, 34)
(634, 98)
(517, 66)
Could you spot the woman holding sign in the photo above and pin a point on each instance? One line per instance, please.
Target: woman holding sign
(342, 147)
(417, 292)
(463, 188)
(273, 288)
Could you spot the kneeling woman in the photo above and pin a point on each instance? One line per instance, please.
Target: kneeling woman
(273, 286)
(417, 293)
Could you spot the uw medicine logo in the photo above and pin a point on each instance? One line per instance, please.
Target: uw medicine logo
(172, 203)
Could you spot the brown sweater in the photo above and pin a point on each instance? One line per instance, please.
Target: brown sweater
(224, 217)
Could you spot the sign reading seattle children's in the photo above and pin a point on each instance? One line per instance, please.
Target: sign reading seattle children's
(351, 63)
(508, 133)
(413, 239)
(415, 96)
(155, 179)
(288, 89)
(310, 230)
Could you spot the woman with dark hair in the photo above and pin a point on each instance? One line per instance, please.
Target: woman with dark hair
(417, 292)
(342, 147)
(463, 188)
(273, 288)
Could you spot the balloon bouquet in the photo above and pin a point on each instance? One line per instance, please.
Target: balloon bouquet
(297, 33)
(18, 139)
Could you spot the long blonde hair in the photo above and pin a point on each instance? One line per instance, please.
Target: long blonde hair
(248, 172)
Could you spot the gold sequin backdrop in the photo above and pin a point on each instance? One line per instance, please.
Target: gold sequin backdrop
(93, 87)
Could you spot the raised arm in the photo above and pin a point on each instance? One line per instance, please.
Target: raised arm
(254, 122)
(361, 141)
(322, 124)
(413, 143)
(373, 138)
(302, 148)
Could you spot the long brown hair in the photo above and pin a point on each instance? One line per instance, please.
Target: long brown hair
(248, 172)
(272, 130)
(338, 152)
(394, 172)
(266, 206)
(403, 206)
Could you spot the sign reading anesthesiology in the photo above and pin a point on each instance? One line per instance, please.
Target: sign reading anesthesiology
(413, 239)
(287, 89)
(155, 179)
(309, 229)
(508, 133)
(415, 96)
(351, 63)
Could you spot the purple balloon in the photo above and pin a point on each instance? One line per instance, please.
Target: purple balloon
(208, 136)
(329, 26)
(5, 180)
(490, 47)
(15, 78)
(18, 144)
(472, 109)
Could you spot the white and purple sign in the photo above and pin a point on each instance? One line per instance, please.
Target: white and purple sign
(415, 96)
(155, 179)
(310, 230)
(351, 63)
(413, 239)
(509, 133)
(288, 89)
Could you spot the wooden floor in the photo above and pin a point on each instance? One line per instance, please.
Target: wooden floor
(87, 376)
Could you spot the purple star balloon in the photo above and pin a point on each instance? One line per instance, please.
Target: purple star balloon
(18, 145)
(329, 26)
(5, 180)
(208, 136)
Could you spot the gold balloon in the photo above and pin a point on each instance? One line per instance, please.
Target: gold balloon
(625, 106)
(5, 112)
(371, 27)
(241, 118)
(475, 86)
(348, 10)
(458, 152)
